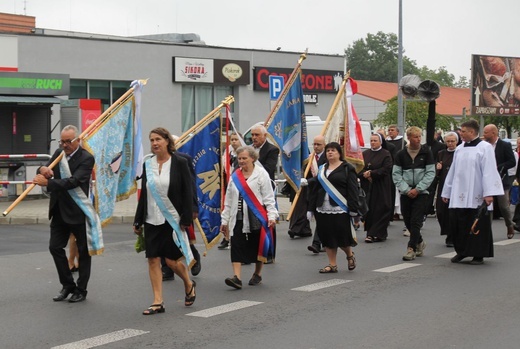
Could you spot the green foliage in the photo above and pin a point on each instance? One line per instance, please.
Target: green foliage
(416, 113)
(508, 123)
(375, 58)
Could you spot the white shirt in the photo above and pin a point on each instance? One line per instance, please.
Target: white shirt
(153, 214)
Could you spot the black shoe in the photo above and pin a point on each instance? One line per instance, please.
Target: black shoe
(304, 235)
(64, 293)
(477, 261)
(457, 258)
(291, 234)
(224, 245)
(255, 280)
(195, 270)
(168, 276)
(234, 282)
(314, 248)
(78, 296)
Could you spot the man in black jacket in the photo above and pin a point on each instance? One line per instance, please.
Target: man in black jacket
(505, 160)
(66, 216)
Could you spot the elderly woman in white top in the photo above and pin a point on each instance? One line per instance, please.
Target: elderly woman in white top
(249, 215)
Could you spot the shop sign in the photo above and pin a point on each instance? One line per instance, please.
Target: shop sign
(231, 72)
(192, 70)
(34, 84)
(313, 81)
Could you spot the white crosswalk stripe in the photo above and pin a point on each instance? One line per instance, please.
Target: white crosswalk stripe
(222, 309)
(102, 340)
(320, 285)
(397, 267)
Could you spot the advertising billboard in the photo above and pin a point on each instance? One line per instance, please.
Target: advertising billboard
(495, 85)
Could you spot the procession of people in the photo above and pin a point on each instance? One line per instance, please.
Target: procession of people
(468, 175)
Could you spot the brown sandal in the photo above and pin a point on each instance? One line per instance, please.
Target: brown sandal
(329, 269)
(351, 262)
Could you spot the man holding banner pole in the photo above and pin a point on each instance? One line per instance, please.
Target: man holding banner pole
(71, 211)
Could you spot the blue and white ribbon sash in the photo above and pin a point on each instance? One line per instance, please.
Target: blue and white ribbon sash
(331, 190)
(93, 224)
(169, 212)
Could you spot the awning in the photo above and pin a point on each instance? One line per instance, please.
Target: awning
(29, 99)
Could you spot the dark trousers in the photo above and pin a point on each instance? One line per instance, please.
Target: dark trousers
(413, 211)
(60, 233)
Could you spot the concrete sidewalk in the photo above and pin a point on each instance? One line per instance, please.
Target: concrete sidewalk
(35, 211)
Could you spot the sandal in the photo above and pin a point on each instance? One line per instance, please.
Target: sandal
(329, 269)
(368, 239)
(154, 309)
(189, 300)
(351, 262)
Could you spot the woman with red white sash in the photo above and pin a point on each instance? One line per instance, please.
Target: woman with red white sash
(248, 217)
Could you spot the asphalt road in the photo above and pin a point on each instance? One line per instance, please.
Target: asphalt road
(430, 304)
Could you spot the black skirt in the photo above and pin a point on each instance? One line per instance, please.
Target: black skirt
(244, 247)
(334, 230)
(159, 242)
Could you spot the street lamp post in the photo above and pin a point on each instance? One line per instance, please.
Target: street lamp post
(400, 109)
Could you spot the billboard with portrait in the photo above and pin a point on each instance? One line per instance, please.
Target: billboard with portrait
(495, 85)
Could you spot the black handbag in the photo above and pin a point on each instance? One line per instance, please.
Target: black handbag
(254, 223)
(362, 201)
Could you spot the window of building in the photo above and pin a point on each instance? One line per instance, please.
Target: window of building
(107, 91)
(199, 100)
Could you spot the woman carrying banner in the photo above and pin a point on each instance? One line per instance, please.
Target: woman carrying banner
(334, 199)
(162, 208)
(249, 214)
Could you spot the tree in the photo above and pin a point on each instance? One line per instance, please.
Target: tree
(416, 115)
(508, 123)
(440, 76)
(375, 58)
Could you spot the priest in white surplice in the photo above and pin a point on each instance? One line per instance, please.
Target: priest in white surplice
(472, 179)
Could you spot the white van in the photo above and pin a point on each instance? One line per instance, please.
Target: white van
(314, 127)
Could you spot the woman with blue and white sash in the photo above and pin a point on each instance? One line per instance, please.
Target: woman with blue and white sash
(165, 210)
(249, 215)
(334, 200)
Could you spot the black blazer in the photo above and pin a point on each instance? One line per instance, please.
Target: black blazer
(505, 160)
(344, 179)
(180, 192)
(61, 203)
(193, 180)
(268, 157)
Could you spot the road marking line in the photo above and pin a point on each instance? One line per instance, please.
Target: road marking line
(447, 255)
(320, 285)
(222, 309)
(506, 242)
(397, 267)
(102, 340)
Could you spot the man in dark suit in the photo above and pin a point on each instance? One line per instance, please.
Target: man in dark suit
(505, 160)
(268, 157)
(66, 216)
(319, 154)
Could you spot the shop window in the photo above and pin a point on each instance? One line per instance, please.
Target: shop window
(119, 88)
(78, 89)
(100, 90)
(198, 101)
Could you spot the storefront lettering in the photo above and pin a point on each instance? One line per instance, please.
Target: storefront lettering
(46, 84)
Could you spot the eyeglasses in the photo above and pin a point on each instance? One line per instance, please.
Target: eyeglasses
(67, 142)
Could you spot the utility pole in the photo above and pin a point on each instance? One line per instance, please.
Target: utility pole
(400, 109)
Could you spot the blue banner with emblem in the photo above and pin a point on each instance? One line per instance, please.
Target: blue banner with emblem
(289, 130)
(204, 147)
(112, 145)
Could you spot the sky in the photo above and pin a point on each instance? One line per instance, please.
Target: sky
(441, 33)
